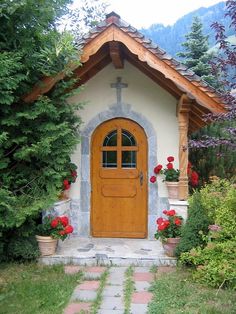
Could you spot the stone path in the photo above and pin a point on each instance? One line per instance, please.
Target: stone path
(108, 285)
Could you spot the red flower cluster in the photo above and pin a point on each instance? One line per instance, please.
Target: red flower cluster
(56, 227)
(169, 227)
(192, 175)
(62, 223)
(170, 173)
(71, 179)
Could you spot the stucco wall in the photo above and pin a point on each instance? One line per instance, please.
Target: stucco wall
(143, 97)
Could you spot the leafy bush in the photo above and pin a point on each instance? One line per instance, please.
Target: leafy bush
(225, 215)
(215, 265)
(25, 248)
(197, 221)
(213, 196)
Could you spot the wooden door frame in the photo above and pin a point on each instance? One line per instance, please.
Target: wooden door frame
(146, 174)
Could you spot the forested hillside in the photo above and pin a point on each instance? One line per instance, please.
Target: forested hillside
(170, 38)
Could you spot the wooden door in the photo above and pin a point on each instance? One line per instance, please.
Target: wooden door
(119, 180)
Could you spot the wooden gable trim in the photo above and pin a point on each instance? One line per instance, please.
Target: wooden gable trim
(116, 55)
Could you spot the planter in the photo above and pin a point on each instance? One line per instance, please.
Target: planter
(173, 189)
(47, 245)
(170, 245)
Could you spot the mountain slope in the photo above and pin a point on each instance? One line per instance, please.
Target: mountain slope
(170, 37)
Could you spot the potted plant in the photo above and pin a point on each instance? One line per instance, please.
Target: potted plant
(68, 180)
(48, 233)
(171, 177)
(169, 231)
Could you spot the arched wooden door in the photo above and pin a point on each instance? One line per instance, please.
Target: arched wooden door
(119, 180)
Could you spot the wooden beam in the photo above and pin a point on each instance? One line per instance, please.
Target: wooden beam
(183, 110)
(116, 55)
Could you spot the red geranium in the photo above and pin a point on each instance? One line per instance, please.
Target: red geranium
(55, 222)
(64, 220)
(153, 179)
(169, 166)
(170, 227)
(69, 229)
(170, 159)
(170, 212)
(56, 227)
(178, 221)
(157, 169)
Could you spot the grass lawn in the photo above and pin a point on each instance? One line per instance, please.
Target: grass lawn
(176, 293)
(35, 289)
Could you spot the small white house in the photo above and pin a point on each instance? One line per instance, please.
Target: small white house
(141, 106)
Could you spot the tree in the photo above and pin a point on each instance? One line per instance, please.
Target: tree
(226, 140)
(37, 138)
(216, 160)
(196, 56)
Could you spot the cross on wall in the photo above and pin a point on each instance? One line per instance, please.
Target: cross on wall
(119, 85)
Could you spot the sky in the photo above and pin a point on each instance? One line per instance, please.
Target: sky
(143, 13)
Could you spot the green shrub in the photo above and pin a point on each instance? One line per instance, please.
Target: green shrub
(197, 221)
(225, 215)
(22, 249)
(213, 196)
(215, 265)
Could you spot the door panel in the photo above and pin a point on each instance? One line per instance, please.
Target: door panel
(119, 180)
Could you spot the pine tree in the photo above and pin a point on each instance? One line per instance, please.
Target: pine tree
(196, 56)
(220, 160)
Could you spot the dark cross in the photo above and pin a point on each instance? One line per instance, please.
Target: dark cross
(118, 85)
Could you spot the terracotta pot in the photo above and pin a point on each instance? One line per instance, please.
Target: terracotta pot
(173, 189)
(169, 246)
(47, 245)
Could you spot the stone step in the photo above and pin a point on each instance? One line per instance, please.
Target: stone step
(108, 261)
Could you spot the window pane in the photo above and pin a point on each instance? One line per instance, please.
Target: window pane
(110, 139)
(109, 159)
(128, 159)
(128, 139)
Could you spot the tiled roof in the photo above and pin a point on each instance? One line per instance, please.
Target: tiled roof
(114, 19)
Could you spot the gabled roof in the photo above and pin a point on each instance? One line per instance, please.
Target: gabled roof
(114, 40)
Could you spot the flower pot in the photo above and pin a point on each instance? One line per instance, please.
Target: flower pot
(173, 189)
(169, 246)
(47, 245)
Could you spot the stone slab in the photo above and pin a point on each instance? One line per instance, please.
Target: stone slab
(75, 308)
(97, 269)
(139, 308)
(88, 285)
(149, 277)
(113, 291)
(112, 303)
(142, 297)
(142, 286)
(84, 295)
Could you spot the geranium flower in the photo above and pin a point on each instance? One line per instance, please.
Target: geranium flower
(170, 159)
(68, 229)
(153, 179)
(169, 166)
(157, 169)
(64, 220)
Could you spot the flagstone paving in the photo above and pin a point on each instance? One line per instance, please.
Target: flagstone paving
(85, 294)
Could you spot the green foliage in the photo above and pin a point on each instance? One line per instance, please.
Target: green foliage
(226, 213)
(22, 249)
(213, 196)
(217, 161)
(215, 265)
(195, 54)
(196, 224)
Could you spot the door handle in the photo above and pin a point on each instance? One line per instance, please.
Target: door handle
(141, 178)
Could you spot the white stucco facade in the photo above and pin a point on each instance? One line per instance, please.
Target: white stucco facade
(143, 98)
